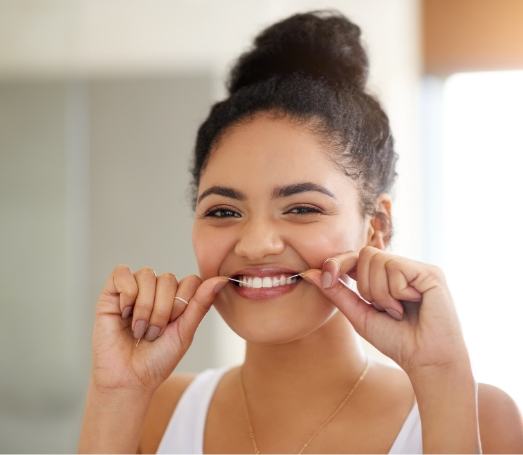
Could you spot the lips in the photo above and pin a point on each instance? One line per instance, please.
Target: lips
(263, 271)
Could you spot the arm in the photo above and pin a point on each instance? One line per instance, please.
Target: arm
(448, 404)
(500, 421)
(112, 421)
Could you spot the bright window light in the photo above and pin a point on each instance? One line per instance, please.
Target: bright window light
(482, 217)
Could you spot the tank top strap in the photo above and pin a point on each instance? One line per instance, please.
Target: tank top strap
(409, 439)
(185, 430)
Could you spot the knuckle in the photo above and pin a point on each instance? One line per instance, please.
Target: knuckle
(122, 268)
(145, 271)
(436, 271)
(125, 281)
(396, 293)
(190, 284)
(168, 277)
(195, 278)
(130, 291)
(391, 264)
(368, 250)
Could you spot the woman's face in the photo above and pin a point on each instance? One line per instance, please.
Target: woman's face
(256, 215)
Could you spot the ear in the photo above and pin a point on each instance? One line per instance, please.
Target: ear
(380, 224)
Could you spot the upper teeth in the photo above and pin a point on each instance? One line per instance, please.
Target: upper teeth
(266, 281)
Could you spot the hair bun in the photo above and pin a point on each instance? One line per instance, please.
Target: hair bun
(321, 43)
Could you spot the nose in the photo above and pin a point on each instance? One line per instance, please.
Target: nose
(259, 239)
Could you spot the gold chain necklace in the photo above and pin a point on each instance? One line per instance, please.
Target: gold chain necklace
(325, 422)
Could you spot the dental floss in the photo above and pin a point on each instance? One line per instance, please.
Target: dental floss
(298, 274)
(344, 284)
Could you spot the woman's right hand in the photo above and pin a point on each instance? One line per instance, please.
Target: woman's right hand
(150, 306)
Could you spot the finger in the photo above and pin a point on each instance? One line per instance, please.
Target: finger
(379, 285)
(398, 284)
(186, 289)
(348, 282)
(334, 266)
(357, 311)
(343, 264)
(119, 291)
(166, 286)
(143, 307)
(363, 276)
(198, 306)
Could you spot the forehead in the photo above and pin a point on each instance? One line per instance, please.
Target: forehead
(270, 151)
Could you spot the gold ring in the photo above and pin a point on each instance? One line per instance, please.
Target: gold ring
(182, 300)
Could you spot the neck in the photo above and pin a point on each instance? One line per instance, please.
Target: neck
(314, 368)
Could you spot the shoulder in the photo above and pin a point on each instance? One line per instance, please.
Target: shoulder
(161, 408)
(500, 421)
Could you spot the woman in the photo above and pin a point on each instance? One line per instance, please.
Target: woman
(292, 177)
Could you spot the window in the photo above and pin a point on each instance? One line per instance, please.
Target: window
(475, 184)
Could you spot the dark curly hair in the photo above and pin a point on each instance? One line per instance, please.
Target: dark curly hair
(310, 68)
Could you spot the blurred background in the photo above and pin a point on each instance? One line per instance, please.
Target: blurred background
(100, 101)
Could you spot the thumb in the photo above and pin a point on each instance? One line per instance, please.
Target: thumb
(357, 310)
(198, 306)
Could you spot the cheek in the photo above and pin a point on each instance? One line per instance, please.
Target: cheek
(321, 242)
(211, 247)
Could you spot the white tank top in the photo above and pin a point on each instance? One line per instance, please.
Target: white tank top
(185, 431)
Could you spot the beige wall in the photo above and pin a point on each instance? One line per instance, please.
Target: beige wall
(93, 173)
(472, 35)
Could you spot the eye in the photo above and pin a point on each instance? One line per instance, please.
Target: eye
(304, 210)
(222, 213)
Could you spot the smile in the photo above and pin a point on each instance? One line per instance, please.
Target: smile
(256, 282)
(253, 287)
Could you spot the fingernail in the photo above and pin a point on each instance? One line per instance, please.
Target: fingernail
(326, 279)
(395, 314)
(220, 286)
(304, 275)
(127, 312)
(330, 270)
(139, 328)
(152, 333)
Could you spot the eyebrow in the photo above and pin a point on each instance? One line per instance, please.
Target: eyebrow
(278, 192)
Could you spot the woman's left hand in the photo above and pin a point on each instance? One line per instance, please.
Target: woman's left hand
(428, 333)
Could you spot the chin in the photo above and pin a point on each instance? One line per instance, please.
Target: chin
(274, 321)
